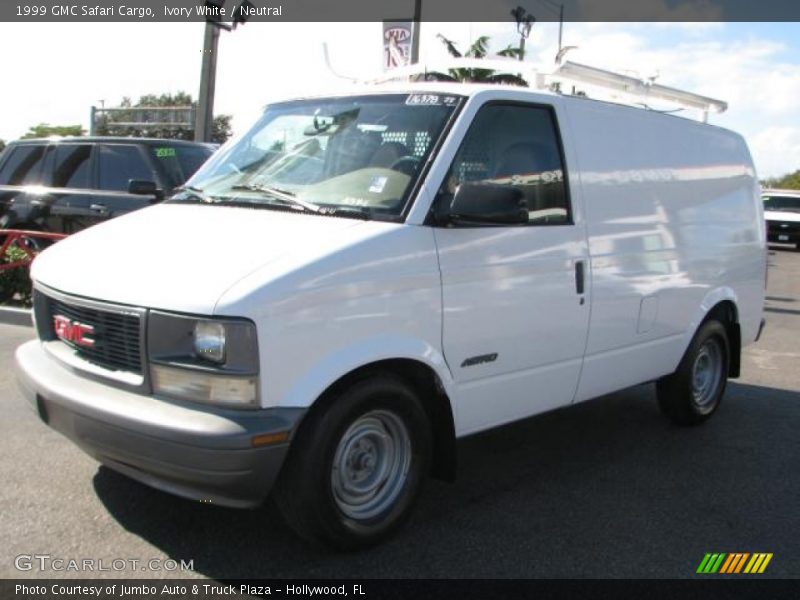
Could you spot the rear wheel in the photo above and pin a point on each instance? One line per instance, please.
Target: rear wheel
(356, 465)
(693, 393)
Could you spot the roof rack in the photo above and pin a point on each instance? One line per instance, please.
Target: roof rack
(568, 71)
(634, 86)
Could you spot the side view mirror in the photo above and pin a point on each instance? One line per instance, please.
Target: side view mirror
(142, 187)
(487, 204)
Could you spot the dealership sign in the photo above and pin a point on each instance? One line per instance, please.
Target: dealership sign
(397, 40)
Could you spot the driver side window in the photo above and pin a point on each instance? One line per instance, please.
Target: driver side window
(517, 146)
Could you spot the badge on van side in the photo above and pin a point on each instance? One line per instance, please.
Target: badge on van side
(479, 360)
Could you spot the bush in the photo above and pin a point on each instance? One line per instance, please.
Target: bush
(15, 282)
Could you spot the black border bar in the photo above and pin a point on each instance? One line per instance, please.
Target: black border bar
(396, 589)
(144, 11)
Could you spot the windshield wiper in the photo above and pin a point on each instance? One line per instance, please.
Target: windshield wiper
(195, 192)
(279, 194)
(352, 212)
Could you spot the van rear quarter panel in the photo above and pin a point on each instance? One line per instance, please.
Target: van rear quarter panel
(674, 225)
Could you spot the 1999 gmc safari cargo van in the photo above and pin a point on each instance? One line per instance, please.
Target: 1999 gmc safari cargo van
(359, 280)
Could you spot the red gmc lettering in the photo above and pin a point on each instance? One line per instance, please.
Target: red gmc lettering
(73, 332)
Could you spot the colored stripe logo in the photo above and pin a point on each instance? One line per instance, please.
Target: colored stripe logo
(734, 563)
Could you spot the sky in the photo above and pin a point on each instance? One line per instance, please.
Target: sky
(60, 70)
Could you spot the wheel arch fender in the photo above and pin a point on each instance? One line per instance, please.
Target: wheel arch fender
(415, 361)
(721, 303)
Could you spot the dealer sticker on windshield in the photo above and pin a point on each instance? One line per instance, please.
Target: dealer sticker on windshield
(377, 184)
(165, 152)
(430, 100)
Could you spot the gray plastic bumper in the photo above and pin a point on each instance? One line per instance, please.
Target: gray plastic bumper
(198, 452)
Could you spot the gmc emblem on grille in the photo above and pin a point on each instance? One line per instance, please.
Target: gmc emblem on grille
(72, 331)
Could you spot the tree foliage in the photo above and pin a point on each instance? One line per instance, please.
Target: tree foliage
(790, 181)
(478, 49)
(15, 283)
(2, 145)
(110, 122)
(43, 130)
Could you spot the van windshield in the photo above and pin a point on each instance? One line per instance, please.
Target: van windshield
(354, 156)
(787, 203)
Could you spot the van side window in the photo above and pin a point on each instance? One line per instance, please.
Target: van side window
(23, 166)
(72, 166)
(119, 164)
(515, 145)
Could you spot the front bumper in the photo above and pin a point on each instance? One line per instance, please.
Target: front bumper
(197, 452)
(783, 233)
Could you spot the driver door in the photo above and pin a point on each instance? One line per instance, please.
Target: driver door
(515, 297)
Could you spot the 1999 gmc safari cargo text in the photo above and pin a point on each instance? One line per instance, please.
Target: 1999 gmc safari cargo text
(404, 266)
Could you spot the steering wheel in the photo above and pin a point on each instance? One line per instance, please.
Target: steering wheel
(405, 164)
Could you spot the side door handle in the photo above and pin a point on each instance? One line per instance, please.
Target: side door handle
(98, 208)
(580, 276)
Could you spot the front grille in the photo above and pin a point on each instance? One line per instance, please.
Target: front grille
(777, 227)
(117, 336)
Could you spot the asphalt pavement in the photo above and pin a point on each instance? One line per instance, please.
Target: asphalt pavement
(604, 489)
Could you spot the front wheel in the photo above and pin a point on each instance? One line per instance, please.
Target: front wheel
(693, 393)
(356, 465)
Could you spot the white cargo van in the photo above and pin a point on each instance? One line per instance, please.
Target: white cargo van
(361, 279)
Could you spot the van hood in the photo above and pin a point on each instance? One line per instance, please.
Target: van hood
(180, 257)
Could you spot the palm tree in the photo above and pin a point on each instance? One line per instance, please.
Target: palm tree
(478, 49)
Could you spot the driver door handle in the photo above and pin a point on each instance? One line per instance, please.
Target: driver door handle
(580, 276)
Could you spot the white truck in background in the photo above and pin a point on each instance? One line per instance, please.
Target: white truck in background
(782, 215)
(360, 279)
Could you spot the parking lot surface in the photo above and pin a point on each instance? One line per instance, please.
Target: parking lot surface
(603, 489)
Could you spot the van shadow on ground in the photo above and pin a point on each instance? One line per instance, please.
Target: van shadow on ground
(603, 489)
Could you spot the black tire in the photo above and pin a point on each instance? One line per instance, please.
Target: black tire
(311, 491)
(694, 392)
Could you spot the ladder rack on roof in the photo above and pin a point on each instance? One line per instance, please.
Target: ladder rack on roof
(639, 87)
(565, 72)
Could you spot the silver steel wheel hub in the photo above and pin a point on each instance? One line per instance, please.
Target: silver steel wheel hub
(707, 374)
(370, 466)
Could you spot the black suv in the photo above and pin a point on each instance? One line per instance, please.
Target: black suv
(68, 184)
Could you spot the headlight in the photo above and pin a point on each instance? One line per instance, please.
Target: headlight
(209, 340)
(203, 359)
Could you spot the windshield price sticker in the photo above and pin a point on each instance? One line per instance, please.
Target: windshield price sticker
(430, 100)
(423, 100)
(377, 184)
(165, 152)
